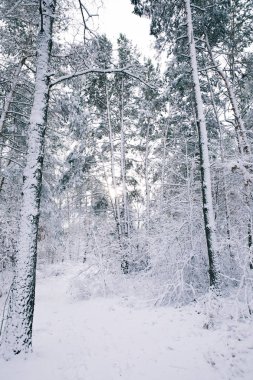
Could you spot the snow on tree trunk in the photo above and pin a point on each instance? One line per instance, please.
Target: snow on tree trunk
(225, 186)
(114, 182)
(147, 187)
(16, 335)
(208, 212)
(123, 162)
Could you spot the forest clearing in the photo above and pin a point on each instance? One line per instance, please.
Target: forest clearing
(126, 337)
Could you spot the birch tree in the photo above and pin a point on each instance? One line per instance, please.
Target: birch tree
(16, 335)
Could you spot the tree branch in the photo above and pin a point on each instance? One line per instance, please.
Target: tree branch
(85, 26)
(10, 159)
(123, 70)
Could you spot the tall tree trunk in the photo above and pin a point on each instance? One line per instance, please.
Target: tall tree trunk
(164, 154)
(16, 335)
(125, 210)
(147, 187)
(189, 169)
(114, 182)
(123, 163)
(210, 230)
(225, 186)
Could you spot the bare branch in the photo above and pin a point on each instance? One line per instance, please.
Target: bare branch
(10, 159)
(197, 7)
(30, 68)
(208, 68)
(82, 9)
(140, 79)
(84, 21)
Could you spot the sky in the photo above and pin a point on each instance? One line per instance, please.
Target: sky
(117, 17)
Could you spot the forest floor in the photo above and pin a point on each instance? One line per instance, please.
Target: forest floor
(115, 338)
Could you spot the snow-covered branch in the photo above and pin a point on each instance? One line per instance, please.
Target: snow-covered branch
(123, 70)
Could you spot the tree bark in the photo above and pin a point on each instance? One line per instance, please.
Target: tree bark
(16, 335)
(209, 221)
(225, 187)
(114, 182)
(147, 187)
(123, 162)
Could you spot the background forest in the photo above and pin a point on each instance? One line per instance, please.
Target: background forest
(131, 189)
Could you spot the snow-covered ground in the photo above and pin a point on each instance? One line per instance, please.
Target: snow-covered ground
(114, 338)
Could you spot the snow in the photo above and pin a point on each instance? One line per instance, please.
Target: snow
(117, 338)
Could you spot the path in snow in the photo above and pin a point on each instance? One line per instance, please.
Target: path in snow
(102, 339)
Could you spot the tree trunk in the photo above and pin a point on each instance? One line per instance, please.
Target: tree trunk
(114, 182)
(210, 230)
(16, 335)
(225, 187)
(147, 187)
(123, 163)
